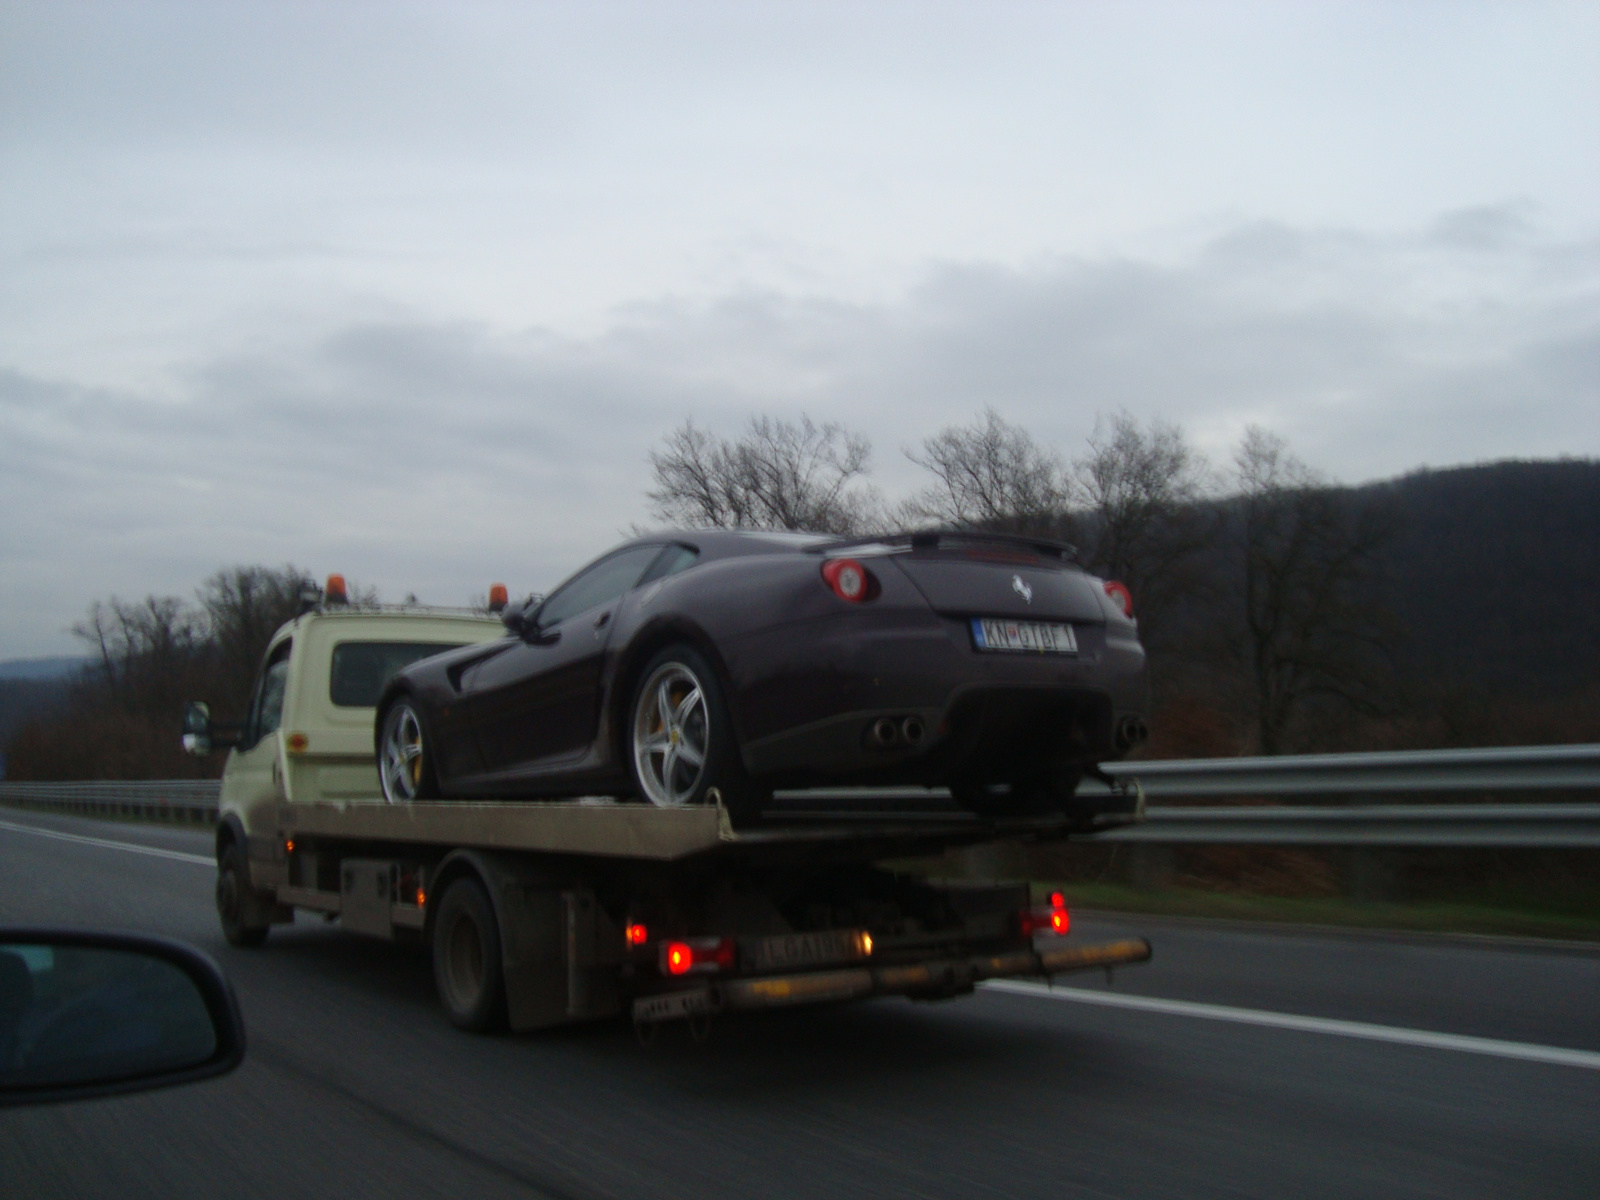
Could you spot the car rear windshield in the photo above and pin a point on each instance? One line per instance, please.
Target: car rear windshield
(360, 669)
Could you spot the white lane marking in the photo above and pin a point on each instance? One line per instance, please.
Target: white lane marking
(133, 847)
(1527, 1051)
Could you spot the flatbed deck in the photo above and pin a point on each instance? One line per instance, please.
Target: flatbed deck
(904, 823)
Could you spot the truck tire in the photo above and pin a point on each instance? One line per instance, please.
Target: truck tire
(467, 969)
(233, 883)
(680, 741)
(405, 755)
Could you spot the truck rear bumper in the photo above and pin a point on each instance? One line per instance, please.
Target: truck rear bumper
(935, 978)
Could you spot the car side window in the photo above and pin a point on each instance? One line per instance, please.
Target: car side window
(600, 584)
(266, 714)
(673, 559)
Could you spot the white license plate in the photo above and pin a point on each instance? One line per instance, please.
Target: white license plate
(1023, 637)
(791, 951)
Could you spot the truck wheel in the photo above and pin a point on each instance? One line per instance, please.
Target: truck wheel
(467, 969)
(233, 883)
(405, 759)
(680, 737)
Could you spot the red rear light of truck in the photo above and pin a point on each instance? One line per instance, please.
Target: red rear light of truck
(697, 955)
(1046, 918)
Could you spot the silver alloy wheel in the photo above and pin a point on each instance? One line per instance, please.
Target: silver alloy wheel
(671, 735)
(400, 762)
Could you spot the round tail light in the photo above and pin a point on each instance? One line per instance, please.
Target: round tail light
(849, 579)
(1124, 598)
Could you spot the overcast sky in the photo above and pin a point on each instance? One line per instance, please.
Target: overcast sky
(409, 292)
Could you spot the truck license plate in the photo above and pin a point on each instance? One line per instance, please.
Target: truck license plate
(786, 951)
(1023, 637)
(672, 1005)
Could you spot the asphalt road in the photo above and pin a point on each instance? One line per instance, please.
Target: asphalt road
(355, 1086)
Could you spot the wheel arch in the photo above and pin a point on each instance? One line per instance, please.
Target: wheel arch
(532, 947)
(463, 864)
(394, 691)
(230, 832)
(645, 645)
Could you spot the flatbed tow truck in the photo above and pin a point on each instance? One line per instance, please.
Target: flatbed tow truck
(541, 913)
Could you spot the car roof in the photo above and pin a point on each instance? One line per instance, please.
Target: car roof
(720, 543)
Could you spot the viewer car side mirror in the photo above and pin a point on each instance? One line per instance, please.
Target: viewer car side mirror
(94, 1014)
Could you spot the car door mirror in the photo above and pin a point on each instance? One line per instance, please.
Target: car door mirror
(92, 1014)
(524, 622)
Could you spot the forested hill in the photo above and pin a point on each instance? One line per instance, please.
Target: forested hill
(1494, 572)
(1469, 615)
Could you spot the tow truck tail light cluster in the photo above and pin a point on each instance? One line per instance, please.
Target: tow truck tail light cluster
(1046, 918)
(849, 580)
(697, 955)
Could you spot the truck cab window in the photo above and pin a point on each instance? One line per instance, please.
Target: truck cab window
(267, 713)
(361, 669)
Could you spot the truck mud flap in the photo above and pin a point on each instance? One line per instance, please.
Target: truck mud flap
(940, 977)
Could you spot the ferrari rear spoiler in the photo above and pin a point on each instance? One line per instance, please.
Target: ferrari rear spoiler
(933, 539)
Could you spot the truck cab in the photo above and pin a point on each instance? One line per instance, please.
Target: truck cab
(308, 735)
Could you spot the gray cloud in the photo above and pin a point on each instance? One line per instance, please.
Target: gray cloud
(432, 455)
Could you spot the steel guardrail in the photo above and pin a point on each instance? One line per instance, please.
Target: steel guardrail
(180, 801)
(1541, 826)
(1497, 769)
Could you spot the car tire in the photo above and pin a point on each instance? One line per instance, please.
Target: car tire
(406, 770)
(467, 968)
(679, 738)
(233, 890)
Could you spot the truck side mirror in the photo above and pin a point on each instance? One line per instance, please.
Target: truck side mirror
(197, 727)
(201, 735)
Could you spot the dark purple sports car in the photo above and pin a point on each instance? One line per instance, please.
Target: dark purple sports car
(991, 665)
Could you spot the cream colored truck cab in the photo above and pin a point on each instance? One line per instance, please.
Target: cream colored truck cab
(309, 736)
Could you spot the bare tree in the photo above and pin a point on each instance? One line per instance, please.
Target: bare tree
(1139, 516)
(778, 475)
(148, 653)
(243, 607)
(990, 475)
(1314, 628)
